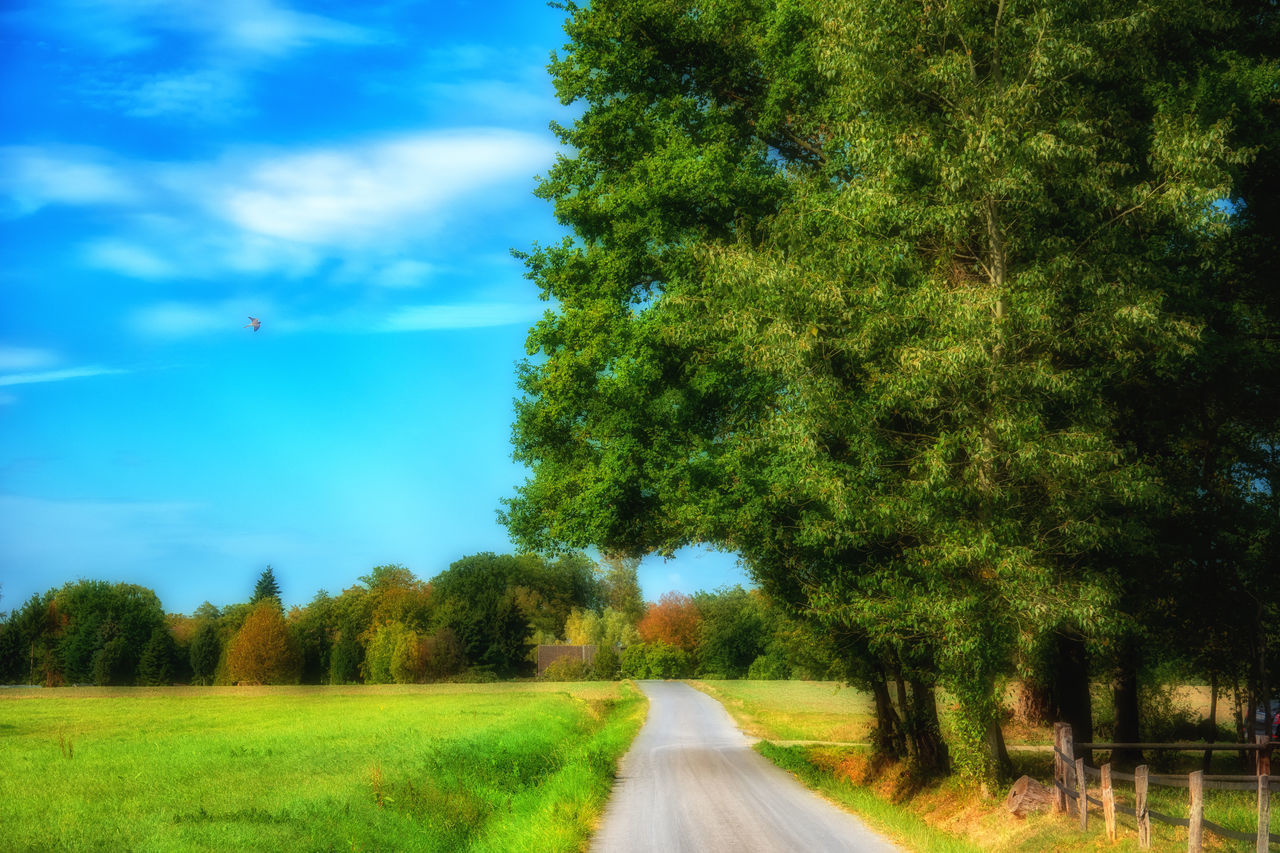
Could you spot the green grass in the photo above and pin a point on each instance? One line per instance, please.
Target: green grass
(900, 824)
(796, 710)
(943, 816)
(442, 767)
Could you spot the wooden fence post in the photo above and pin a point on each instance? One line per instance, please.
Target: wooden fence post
(1195, 829)
(1061, 737)
(1082, 790)
(1262, 766)
(1108, 803)
(1140, 806)
(1264, 813)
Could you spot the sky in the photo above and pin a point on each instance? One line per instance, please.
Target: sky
(354, 175)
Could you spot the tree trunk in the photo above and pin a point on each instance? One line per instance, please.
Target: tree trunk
(887, 738)
(997, 750)
(1211, 724)
(1264, 689)
(930, 750)
(1124, 688)
(1072, 699)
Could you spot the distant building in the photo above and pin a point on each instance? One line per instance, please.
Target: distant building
(547, 655)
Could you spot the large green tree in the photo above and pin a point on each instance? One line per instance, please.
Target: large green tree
(871, 292)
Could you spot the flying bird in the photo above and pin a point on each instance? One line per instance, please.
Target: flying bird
(254, 323)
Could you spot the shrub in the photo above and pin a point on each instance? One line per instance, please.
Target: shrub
(773, 666)
(667, 661)
(344, 660)
(634, 662)
(566, 669)
(606, 665)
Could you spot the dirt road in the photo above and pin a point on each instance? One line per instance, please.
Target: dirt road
(691, 782)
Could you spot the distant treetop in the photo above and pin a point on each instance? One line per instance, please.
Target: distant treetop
(266, 587)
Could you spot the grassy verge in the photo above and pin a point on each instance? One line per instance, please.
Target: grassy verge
(441, 767)
(942, 816)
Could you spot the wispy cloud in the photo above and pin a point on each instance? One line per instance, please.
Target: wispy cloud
(57, 375)
(368, 193)
(26, 358)
(423, 318)
(129, 260)
(262, 212)
(32, 177)
(121, 27)
(186, 59)
(203, 94)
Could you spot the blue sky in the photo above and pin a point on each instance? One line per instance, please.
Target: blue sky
(352, 174)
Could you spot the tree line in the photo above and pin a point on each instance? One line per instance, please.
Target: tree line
(957, 321)
(480, 619)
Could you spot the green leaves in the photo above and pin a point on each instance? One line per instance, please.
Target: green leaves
(892, 300)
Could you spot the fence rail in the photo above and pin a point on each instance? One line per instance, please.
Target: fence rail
(1071, 777)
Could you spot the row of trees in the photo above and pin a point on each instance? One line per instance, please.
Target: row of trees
(730, 633)
(479, 619)
(481, 616)
(957, 321)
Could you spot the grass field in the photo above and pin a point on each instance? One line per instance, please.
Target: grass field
(943, 817)
(442, 767)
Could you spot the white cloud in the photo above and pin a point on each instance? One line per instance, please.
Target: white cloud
(57, 375)
(129, 260)
(262, 27)
(26, 358)
(423, 318)
(119, 27)
(372, 206)
(221, 45)
(35, 177)
(366, 193)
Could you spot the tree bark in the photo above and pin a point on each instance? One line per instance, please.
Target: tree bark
(930, 750)
(1072, 699)
(996, 748)
(1124, 686)
(887, 739)
(1211, 724)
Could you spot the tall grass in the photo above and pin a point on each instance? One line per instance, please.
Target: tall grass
(474, 767)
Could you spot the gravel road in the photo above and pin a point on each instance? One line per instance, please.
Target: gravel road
(692, 782)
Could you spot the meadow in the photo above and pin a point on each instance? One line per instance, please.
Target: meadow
(818, 731)
(495, 767)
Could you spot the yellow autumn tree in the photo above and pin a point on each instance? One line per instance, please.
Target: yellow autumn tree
(263, 651)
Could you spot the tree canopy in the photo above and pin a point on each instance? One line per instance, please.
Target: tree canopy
(924, 311)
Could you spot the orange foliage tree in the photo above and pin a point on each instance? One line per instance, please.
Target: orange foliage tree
(263, 651)
(673, 620)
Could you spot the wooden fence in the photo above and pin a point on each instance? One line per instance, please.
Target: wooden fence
(1071, 778)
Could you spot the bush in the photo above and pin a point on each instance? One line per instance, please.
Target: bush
(474, 675)
(667, 661)
(770, 667)
(606, 665)
(633, 662)
(344, 660)
(566, 669)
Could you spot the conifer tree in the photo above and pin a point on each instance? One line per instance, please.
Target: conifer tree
(266, 587)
